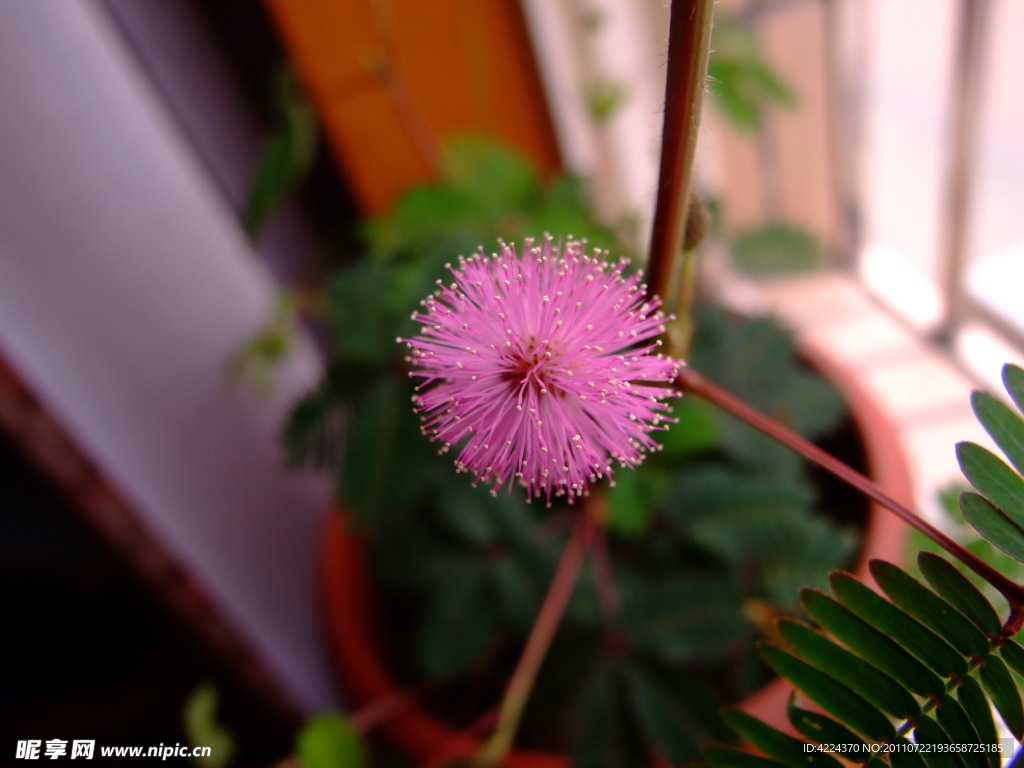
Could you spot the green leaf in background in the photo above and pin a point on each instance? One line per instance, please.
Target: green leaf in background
(330, 741)
(875, 686)
(631, 500)
(386, 457)
(776, 249)
(990, 475)
(460, 623)
(817, 547)
(740, 78)
(604, 732)
(695, 616)
(363, 320)
(991, 523)
(960, 592)
(834, 697)
(930, 609)
(257, 357)
(871, 644)
(695, 432)
(604, 98)
(314, 431)
(997, 682)
(899, 626)
(715, 502)
(499, 179)
(1003, 425)
(199, 721)
(755, 360)
(776, 745)
(287, 156)
(672, 709)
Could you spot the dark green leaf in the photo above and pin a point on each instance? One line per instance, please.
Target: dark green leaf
(672, 709)
(386, 457)
(605, 733)
(314, 432)
(979, 711)
(990, 475)
(1013, 655)
(459, 623)
(822, 729)
(696, 431)
(1013, 379)
(958, 590)
(728, 757)
(776, 744)
(756, 520)
(286, 158)
(930, 609)
(908, 632)
(875, 686)
(996, 680)
(1005, 426)
(871, 645)
(630, 500)
(329, 741)
(929, 732)
(755, 360)
(958, 727)
(991, 523)
(834, 697)
(686, 617)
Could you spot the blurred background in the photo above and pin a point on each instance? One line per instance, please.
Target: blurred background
(174, 172)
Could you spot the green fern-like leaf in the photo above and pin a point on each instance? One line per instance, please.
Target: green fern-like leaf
(926, 661)
(916, 666)
(997, 511)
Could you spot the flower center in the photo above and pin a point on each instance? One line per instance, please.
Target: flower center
(531, 367)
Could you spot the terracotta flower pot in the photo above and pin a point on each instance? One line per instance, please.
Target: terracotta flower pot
(353, 628)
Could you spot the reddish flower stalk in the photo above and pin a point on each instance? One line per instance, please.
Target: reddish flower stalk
(580, 542)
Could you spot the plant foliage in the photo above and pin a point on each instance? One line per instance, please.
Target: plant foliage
(709, 538)
(926, 660)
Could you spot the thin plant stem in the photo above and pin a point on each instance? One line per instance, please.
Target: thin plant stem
(581, 540)
(692, 381)
(689, 43)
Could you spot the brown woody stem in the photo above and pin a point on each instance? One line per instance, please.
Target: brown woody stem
(689, 41)
(1014, 593)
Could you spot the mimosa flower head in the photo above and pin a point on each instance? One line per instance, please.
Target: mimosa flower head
(541, 369)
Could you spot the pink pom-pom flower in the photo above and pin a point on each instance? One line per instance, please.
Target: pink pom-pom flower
(542, 367)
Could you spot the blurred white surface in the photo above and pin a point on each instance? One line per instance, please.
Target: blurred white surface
(124, 284)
